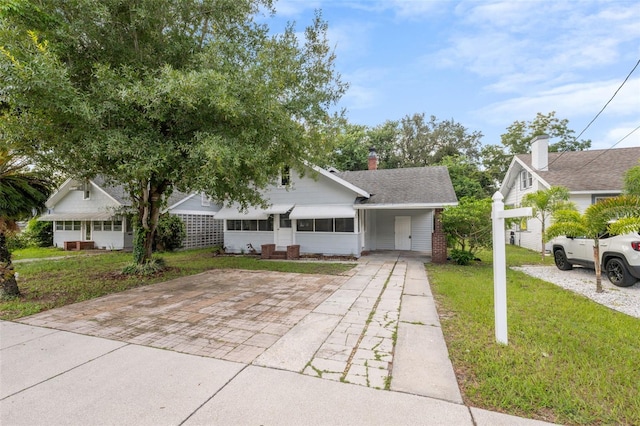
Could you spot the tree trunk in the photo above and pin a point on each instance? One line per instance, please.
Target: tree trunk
(8, 283)
(596, 258)
(542, 251)
(148, 216)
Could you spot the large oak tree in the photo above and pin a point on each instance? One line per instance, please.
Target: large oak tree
(196, 95)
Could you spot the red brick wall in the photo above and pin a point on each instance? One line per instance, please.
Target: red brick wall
(438, 240)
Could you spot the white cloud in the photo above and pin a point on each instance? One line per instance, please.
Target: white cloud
(621, 136)
(574, 100)
(504, 41)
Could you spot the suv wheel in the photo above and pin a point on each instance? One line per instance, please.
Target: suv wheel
(618, 274)
(561, 260)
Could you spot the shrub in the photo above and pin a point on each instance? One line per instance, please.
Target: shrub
(156, 264)
(39, 233)
(16, 240)
(462, 257)
(171, 233)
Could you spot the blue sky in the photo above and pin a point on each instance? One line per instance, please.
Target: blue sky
(485, 64)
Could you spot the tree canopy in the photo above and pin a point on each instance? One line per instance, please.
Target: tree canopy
(518, 137)
(161, 94)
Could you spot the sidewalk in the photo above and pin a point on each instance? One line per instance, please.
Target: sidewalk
(324, 370)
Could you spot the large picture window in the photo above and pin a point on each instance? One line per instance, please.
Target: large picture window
(326, 225)
(250, 224)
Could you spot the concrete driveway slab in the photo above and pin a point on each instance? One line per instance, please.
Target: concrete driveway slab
(132, 385)
(252, 396)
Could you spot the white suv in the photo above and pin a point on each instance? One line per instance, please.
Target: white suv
(620, 256)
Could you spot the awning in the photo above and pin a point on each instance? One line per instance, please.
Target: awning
(325, 211)
(77, 216)
(254, 213)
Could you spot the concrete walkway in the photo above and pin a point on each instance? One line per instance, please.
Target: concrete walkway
(377, 330)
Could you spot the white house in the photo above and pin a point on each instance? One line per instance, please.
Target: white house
(92, 212)
(588, 175)
(347, 213)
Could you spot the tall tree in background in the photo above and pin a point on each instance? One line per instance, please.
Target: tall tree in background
(424, 143)
(163, 94)
(22, 190)
(517, 140)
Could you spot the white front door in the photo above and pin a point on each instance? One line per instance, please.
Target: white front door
(284, 232)
(403, 232)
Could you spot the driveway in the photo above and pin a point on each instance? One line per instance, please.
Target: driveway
(227, 314)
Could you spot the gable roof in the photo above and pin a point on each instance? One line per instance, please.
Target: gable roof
(584, 171)
(415, 186)
(116, 192)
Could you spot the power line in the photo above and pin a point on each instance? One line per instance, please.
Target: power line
(612, 146)
(598, 114)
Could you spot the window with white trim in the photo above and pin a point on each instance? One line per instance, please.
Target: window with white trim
(205, 201)
(250, 224)
(526, 179)
(341, 224)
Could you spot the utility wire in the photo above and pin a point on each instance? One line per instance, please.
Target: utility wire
(611, 147)
(598, 114)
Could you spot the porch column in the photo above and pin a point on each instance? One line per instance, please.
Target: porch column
(438, 240)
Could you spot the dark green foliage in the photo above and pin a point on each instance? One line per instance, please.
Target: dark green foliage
(39, 233)
(462, 257)
(468, 224)
(171, 233)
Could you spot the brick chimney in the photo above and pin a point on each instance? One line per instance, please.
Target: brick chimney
(373, 159)
(540, 153)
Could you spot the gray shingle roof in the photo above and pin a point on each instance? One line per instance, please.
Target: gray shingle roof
(415, 185)
(594, 170)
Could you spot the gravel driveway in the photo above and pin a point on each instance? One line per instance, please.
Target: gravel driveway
(583, 281)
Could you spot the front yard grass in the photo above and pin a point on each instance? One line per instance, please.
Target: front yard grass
(47, 284)
(569, 359)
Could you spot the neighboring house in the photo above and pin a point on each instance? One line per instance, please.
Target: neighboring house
(588, 175)
(331, 213)
(92, 211)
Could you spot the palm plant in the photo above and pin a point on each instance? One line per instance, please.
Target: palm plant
(615, 216)
(544, 202)
(21, 191)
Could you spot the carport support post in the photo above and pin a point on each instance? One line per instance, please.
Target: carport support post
(498, 214)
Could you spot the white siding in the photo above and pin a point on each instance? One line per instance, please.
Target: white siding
(328, 243)
(582, 201)
(73, 202)
(111, 240)
(309, 191)
(236, 241)
(59, 237)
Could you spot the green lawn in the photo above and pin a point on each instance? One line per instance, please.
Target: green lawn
(41, 253)
(47, 284)
(569, 360)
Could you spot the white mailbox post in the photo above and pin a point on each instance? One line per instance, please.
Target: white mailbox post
(498, 215)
